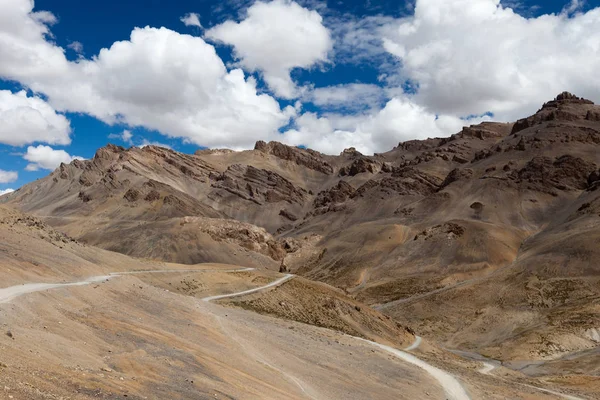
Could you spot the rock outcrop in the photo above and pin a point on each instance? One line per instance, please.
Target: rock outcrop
(565, 107)
(339, 193)
(308, 158)
(563, 173)
(258, 185)
(333, 199)
(457, 174)
(359, 166)
(404, 182)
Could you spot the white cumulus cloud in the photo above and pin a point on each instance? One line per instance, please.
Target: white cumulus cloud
(473, 56)
(25, 54)
(28, 119)
(275, 38)
(6, 191)
(77, 47)
(400, 120)
(158, 79)
(126, 136)
(462, 57)
(573, 6)
(352, 97)
(45, 17)
(45, 157)
(191, 19)
(8, 176)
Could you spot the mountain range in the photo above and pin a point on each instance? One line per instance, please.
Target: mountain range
(484, 242)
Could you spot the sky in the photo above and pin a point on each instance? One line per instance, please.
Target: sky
(328, 75)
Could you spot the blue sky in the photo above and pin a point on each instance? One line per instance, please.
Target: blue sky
(356, 79)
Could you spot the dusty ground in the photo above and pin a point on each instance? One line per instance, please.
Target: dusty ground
(125, 337)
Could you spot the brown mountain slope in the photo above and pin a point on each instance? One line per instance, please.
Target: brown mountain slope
(145, 334)
(543, 307)
(494, 208)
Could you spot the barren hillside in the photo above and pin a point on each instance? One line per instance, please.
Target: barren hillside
(484, 241)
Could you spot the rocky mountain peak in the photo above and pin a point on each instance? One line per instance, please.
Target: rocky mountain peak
(566, 96)
(351, 152)
(566, 107)
(108, 150)
(108, 153)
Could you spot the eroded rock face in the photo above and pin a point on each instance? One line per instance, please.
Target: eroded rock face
(336, 194)
(457, 174)
(308, 158)
(108, 152)
(258, 185)
(521, 124)
(63, 171)
(404, 181)
(132, 195)
(419, 145)
(593, 116)
(243, 234)
(213, 152)
(482, 131)
(288, 215)
(153, 195)
(351, 152)
(566, 96)
(359, 166)
(563, 173)
(333, 199)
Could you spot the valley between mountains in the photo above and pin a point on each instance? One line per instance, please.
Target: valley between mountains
(449, 268)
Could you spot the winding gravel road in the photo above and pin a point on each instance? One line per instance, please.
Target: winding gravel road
(454, 390)
(10, 293)
(250, 291)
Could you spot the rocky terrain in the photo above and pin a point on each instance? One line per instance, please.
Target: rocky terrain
(142, 331)
(483, 242)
